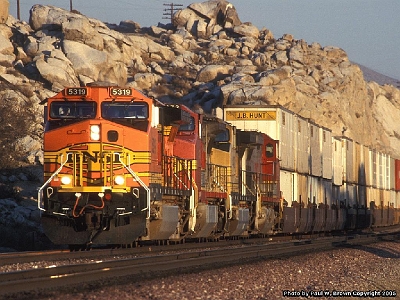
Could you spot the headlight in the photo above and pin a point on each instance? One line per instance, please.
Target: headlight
(66, 180)
(95, 132)
(119, 180)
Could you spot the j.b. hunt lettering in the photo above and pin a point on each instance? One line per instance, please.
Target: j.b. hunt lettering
(250, 115)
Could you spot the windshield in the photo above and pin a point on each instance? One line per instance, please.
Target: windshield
(73, 110)
(124, 110)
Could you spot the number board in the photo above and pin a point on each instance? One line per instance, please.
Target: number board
(76, 92)
(120, 92)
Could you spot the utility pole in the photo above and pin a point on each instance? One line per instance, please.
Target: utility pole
(70, 5)
(173, 8)
(18, 11)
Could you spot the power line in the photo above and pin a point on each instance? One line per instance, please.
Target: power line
(171, 10)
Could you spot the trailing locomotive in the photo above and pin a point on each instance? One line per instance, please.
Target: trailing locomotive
(121, 168)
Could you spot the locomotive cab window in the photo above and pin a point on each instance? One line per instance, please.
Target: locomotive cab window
(175, 116)
(124, 110)
(189, 126)
(73, 110)
(269, 150)
(63, 113)
(132, 114)
(223, 137)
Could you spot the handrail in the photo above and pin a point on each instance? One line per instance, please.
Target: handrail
(49, 180)
(137, 178)
(176, 176)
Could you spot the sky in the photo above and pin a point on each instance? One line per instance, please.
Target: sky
(368, 30)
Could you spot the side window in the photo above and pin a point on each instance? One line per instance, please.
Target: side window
(223, 136)
(269, 150)
(188, 126)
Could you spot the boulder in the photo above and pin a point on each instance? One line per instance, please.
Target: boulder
(4, 6)
(57, 69)
(214, 72)
(207, 18)
(80, 30)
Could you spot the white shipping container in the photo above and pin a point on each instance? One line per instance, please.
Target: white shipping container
(337, 161)
(387, 165)
(326, 142)
(348, 160)
(336, 189)
(302, 146)
(362, 196)
(392, 172)
(315, 195)
(374, 168)
(381, 170)
(362, 176)
(302, 189)
(327, 192)
(392, 200)
(386, 197)
(368, 166)
(315, 150)
(351, 195)
(373, 195)
(358, 166)
(288, 186)
(397, 200)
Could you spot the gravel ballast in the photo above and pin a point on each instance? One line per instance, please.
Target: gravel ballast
(367, 272)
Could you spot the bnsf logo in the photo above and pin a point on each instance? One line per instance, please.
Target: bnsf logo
(94, 157)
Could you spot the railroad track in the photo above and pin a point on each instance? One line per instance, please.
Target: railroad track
(69, 275)
(36, 256)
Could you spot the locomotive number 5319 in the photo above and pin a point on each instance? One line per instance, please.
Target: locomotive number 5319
(120, 92)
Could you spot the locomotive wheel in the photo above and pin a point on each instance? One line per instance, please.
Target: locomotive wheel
(74, 247)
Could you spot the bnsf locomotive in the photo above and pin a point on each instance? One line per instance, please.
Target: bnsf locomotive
(121, 168)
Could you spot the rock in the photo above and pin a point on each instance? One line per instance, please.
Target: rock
(128, 26)
(150, 47)
(80, 30)
(6, 46)
(95, 64)
(213, 72)
(47, 17)
(247, 30)
(56, 70)
(202, 19)
(4, 6)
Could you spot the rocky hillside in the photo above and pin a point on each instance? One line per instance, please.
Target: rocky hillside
(207, 58)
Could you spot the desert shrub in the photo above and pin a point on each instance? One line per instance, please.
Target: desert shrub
(17, 119)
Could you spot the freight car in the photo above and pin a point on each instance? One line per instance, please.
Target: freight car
(328, 182)
(121, 168)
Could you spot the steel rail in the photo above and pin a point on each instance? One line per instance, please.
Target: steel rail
(39, 279)
(13, 258)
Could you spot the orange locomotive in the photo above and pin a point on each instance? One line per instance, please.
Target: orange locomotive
(121, 167)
